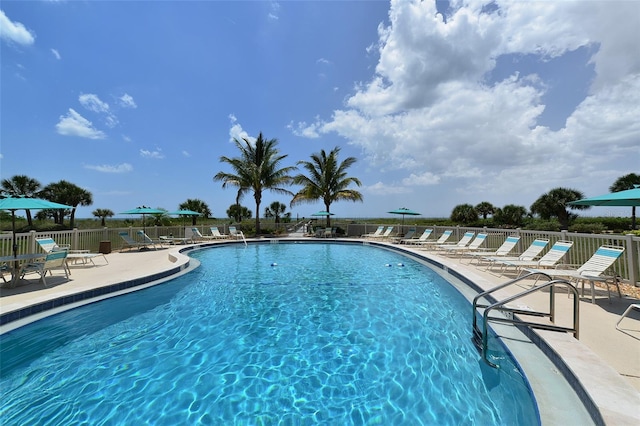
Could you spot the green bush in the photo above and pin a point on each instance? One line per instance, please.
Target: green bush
(587, 228)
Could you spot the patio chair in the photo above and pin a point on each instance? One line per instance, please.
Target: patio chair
(129, 242)
(633, 306)
(473, 245)
(549, 260)
(592, 270)
(422, 239)
(235, 233)
(53, 260)
(216, 234)
(375, 234)
(466, 239)
(529, 254)
(386, 234)
(195, 235)
(147, 240)
(48, 244)
(443, 239)
(506, 247)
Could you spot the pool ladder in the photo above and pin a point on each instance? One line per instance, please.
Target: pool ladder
(480, 334)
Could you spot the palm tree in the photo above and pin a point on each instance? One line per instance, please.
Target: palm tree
(555, 204)
(464, 213)
(627, 182)
(510, 214)
(102, 214)
(275, 210)
(197, 206)
(257, 169)
(238, 212)
(484, 209)
(327, 180)
(65, 192)
(21, 186)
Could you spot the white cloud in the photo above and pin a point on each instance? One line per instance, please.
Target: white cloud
(237, 132)
(380, 188)
(186, 154)
(93, 103)
(428, 113)
(157, 154)
(107, 168)
(56, 54)
(127, 101)
(15, 32)
(305, 130)
(73, 124)
(274, 8)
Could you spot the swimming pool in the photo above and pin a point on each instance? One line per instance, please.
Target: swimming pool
(291, 333)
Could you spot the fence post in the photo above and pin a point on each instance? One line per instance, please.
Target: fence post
(32, 241)
(74, 238)
(632, 260)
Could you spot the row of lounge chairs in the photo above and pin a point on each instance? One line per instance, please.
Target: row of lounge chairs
(592, 271)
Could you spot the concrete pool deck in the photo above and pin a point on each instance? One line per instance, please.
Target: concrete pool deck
(606, 361)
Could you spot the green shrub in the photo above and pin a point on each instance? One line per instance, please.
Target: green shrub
(587, 228)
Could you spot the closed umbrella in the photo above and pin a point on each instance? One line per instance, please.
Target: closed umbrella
(404, 211)
(23, 203)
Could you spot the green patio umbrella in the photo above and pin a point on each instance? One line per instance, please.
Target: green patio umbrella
(626, 198)
(404, 211)
(184, 213)
(23, 203)
(323, 214)
(144, 210)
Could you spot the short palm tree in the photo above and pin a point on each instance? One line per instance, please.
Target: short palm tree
(257, 169)
(21, 186)
(102, 214)
(276, 210)
(555, 204)
(327, 181)
(196, 205)
(65, 192)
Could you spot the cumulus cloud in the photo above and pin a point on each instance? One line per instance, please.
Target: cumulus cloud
(237, 132)
(73, 124)
(108, 168)
(157, 154)
(15, 32)
(94, 104)
(127, 101)
(431, 112)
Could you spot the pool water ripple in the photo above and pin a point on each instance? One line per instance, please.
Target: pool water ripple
(331, 335)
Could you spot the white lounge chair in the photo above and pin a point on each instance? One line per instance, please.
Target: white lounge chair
(48, 244)
(592, 270)
(386, 234)
(466, 239)
(528, 255)
(235, 233)
(377, 233)
(549, 260)
(509, 244)
(53, 260)
(473, 245)
(216, 234)
(443, 239)
(422, 239)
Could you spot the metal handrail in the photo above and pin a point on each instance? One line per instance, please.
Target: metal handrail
(500, 306)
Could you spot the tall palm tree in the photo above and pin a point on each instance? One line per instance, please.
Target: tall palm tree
(256, 170)
(327, 181)
(21, 186)
(197, 206)
(627, 182)
(555, 204)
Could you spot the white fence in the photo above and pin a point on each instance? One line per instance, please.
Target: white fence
(584, 245)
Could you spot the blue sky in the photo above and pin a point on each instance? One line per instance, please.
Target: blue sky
(463, 102)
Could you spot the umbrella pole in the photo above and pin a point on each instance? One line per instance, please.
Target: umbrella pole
(16, 264)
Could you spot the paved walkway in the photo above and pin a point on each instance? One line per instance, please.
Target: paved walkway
(607, 361)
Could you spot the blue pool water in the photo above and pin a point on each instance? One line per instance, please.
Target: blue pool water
(268, 334)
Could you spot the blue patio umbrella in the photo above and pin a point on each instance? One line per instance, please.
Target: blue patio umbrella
(24, 203)
(404, 211)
